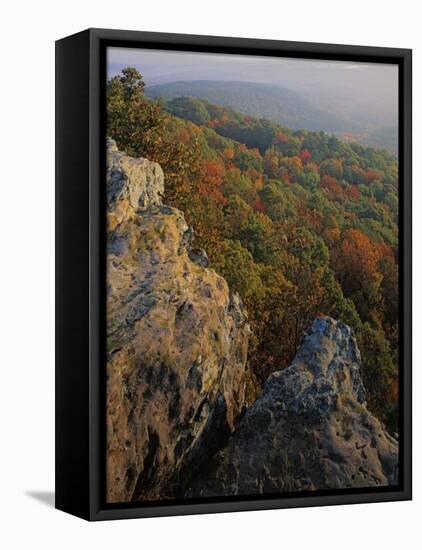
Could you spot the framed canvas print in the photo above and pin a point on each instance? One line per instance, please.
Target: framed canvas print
(233, 274)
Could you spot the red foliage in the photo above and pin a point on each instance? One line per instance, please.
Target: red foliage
(385, 250)
(331, 185)
(304, 155)
(352, 193)
(259, 206)
(372, 175)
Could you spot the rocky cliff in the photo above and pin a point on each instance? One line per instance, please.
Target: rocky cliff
(177, 343)
(177, 340)
(309, 430)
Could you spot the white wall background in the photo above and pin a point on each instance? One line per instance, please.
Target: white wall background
(29, 29)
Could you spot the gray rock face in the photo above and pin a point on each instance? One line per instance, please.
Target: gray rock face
(132, 183)
(199, 256)
(177, 340)
(309, 430)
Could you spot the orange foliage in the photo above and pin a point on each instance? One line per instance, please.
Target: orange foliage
(195, 129)
(254, 151)
(280, 137)
(313, 165)
(332, 236)
(358, 246)
(229, 153)
(184, 136)
(233, 172)
(358, 260)
(256, 177)
(293, 164)
(371, 175)
(331, 185)
(212, 176)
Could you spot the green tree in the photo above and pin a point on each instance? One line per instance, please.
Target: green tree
(135, 122)
(189, 108)
(141, 128)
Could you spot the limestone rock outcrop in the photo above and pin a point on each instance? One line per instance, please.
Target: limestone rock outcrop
(309, 430)
(177, 340)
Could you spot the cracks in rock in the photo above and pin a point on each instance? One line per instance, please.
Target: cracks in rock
(146, 477)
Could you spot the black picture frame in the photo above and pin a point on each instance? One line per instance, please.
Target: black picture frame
(80, 269)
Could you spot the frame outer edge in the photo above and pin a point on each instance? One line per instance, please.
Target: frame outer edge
(260, 47)
(95, 306)
(406, 160)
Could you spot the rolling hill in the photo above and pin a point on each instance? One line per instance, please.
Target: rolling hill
(280, 105)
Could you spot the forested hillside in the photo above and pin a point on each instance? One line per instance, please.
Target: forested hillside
(300, 223)
(284, 106)
(279, 104)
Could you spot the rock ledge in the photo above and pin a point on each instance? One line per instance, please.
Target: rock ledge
(177, 339)
(309, 430)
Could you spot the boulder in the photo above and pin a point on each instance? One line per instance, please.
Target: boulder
(309, 430)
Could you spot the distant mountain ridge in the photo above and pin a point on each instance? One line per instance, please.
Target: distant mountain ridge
(279, 104)
(387, 138)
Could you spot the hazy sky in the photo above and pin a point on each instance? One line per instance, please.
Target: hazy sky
(159, 66)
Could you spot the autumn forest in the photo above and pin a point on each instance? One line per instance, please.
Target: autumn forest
(300, 223)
